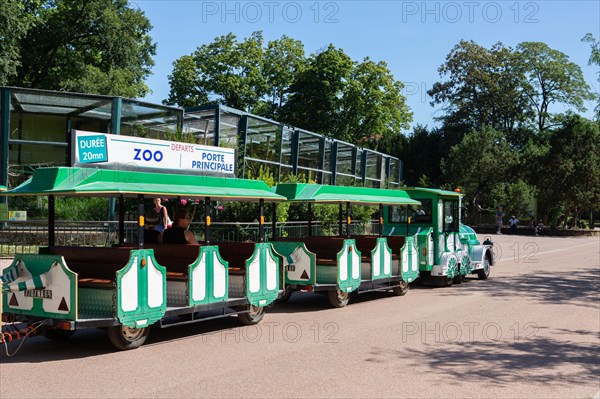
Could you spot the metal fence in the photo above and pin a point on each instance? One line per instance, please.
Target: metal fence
(28, 236)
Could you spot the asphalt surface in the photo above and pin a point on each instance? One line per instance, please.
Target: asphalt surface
(531, 331)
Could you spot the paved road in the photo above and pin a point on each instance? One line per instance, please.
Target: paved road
(531, 331)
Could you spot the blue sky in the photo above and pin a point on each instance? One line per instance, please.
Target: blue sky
(412, 37)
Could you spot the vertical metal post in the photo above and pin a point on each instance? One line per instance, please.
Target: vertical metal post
(261, 220)
(115, 128)
(274, 221)
(121, 219)
(310, 215)
(294, 157)
(340, 225)
(407, 220)
(141, 221)
(207, 220)
(51, 220)
(4, 129)
(348, 220)
(380, 220)
(217, 138)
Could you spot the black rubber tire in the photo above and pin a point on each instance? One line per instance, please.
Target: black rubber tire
(54, 334)
(484, 273)
(286, 296)
(446, 281)
(254, 316)
(126, 338)
(338, 298)
(402, 289)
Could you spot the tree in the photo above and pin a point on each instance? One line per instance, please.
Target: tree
(228, 71)
(478, 163)
(346, 100)
(551, 78)
(571, 174)
(186, 88)
(14, 23)
(594, 60)
(315, 102)
(283, 60)
(95, 46)
(373, 105)
(483, 88)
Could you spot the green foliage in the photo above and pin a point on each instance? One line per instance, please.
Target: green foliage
(14, 24)
(572, 167)
(483, 88)
(478, 163)
(550, 78)
(96, 46)
(505, 88)
(516, 197)
(79, 208)
(326, 93)
(227, 69)
(594, 60)
(350, 101)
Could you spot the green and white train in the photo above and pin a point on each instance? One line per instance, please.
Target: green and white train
(129, 287)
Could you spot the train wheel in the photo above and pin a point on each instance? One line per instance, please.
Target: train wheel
(402, 289)
(125, 338)
(338, 298)
(484, 273)
(58, 335)
(254, 315)
(447, 281)
(286, 296)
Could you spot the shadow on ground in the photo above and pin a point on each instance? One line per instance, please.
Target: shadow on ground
(578, 287)
(501, 363)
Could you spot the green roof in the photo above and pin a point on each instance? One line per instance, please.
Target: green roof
(102, 182)
(435, 191)
(341, 194)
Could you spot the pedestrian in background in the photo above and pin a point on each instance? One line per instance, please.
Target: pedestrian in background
(513, 223)
(499, 216)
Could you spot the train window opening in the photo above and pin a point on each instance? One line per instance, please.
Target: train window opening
(451, 216)
(418, 213)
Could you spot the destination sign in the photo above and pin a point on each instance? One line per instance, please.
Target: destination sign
(112, 151)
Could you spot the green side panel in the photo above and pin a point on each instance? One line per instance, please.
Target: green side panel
(409, 260)
(381, 260)
(452, 267)
(209, 277)
(298, 262)
(467, 235)
(426, 249)
(263, 275)
(327, 274)
(57, 299)
(95, 303)
(348, 260)
(141, 290)
(465, 264)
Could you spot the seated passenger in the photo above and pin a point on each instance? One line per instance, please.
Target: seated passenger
(179, 233)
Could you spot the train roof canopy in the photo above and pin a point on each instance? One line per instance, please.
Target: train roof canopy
(64, 181)
(435, 191)
(342, 194)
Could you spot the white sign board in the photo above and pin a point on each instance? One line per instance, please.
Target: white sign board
(110, 151)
